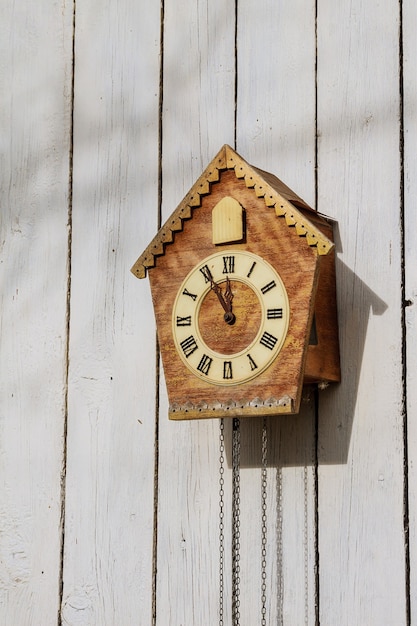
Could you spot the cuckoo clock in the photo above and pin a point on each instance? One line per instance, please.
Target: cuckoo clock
(243, 286)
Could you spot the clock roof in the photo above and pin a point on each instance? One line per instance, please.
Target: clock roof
(277, 196)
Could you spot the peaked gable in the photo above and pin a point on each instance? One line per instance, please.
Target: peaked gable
(276, 195)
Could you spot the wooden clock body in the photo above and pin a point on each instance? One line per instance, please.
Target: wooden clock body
(287, 248)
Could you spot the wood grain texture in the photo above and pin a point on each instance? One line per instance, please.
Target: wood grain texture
(35, 80)
(362, 557)
(275, 194)
(337, 520)
(227, 221)
(276, 90)
(410, 287)
(323, 358)
(108, 574)
(269, 237)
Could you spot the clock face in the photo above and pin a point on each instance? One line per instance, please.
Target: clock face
(230, 317)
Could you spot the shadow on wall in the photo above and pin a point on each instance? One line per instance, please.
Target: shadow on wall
(322, 430)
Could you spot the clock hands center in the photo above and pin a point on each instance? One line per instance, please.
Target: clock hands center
(225, 300)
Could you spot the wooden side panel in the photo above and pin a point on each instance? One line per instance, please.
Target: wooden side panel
(410, 258)
(361, 534)
(198, 105)
(35, 123)
(276, 132)
(108, 575)
(323, 358)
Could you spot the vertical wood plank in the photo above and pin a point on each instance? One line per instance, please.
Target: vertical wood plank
(35, 117)
(410, 261)
(362, 561)
(110, 472)
(276, 132)
(198, 118)
(276, 90)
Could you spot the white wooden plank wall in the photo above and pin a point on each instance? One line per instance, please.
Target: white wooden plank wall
(111, 396)
(361, 534)
(198, 102)
(35, 70)
(109, 514)
(410, 276)
(276, 125)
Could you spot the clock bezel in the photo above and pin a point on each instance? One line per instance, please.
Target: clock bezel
(230, 370)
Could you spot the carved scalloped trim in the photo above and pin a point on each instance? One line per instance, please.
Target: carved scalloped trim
(273, 199)
(227, 158)
(184, 211)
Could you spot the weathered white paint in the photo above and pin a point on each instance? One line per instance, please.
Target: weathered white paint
(276, 132)
(410, 258)
(111, 396)
(335, 494)
(35, 64)
(276, 90)
(198, 102)
(361, 535)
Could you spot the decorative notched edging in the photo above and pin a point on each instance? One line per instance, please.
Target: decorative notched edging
(245, 406)
(275, 194)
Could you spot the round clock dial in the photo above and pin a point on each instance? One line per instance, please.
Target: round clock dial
(230, 317)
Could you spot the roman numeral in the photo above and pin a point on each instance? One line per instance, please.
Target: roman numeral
(268, 286)
(189, 346)
(228, 264)
(193, 296)
(252, 267)
(206, 273)
(227, 370)
(268, 340)
(252, 363)
(184, 321)
(274, 314)
(205, 364)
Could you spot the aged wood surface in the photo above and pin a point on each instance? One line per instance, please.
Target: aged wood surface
(111, 398)
(35, 78)
(361, 533)
(280, 139)
(275, 131)
(274, 192)
(297, 264)
(227, 221)
(322, 94)
(199, 56)
(410, 286)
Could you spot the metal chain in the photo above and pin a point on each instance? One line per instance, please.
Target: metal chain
(236, 522)
(305, 539)
(280, 586)
(221, 523)
(264, 518)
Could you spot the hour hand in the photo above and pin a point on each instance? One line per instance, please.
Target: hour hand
(229, 316)
(225, 301)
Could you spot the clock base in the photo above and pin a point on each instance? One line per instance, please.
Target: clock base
(270, 407)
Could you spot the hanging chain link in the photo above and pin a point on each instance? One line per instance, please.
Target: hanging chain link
(221, 523)
(305, 540)
(236, 522)
(264, 518)
(280, 586)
